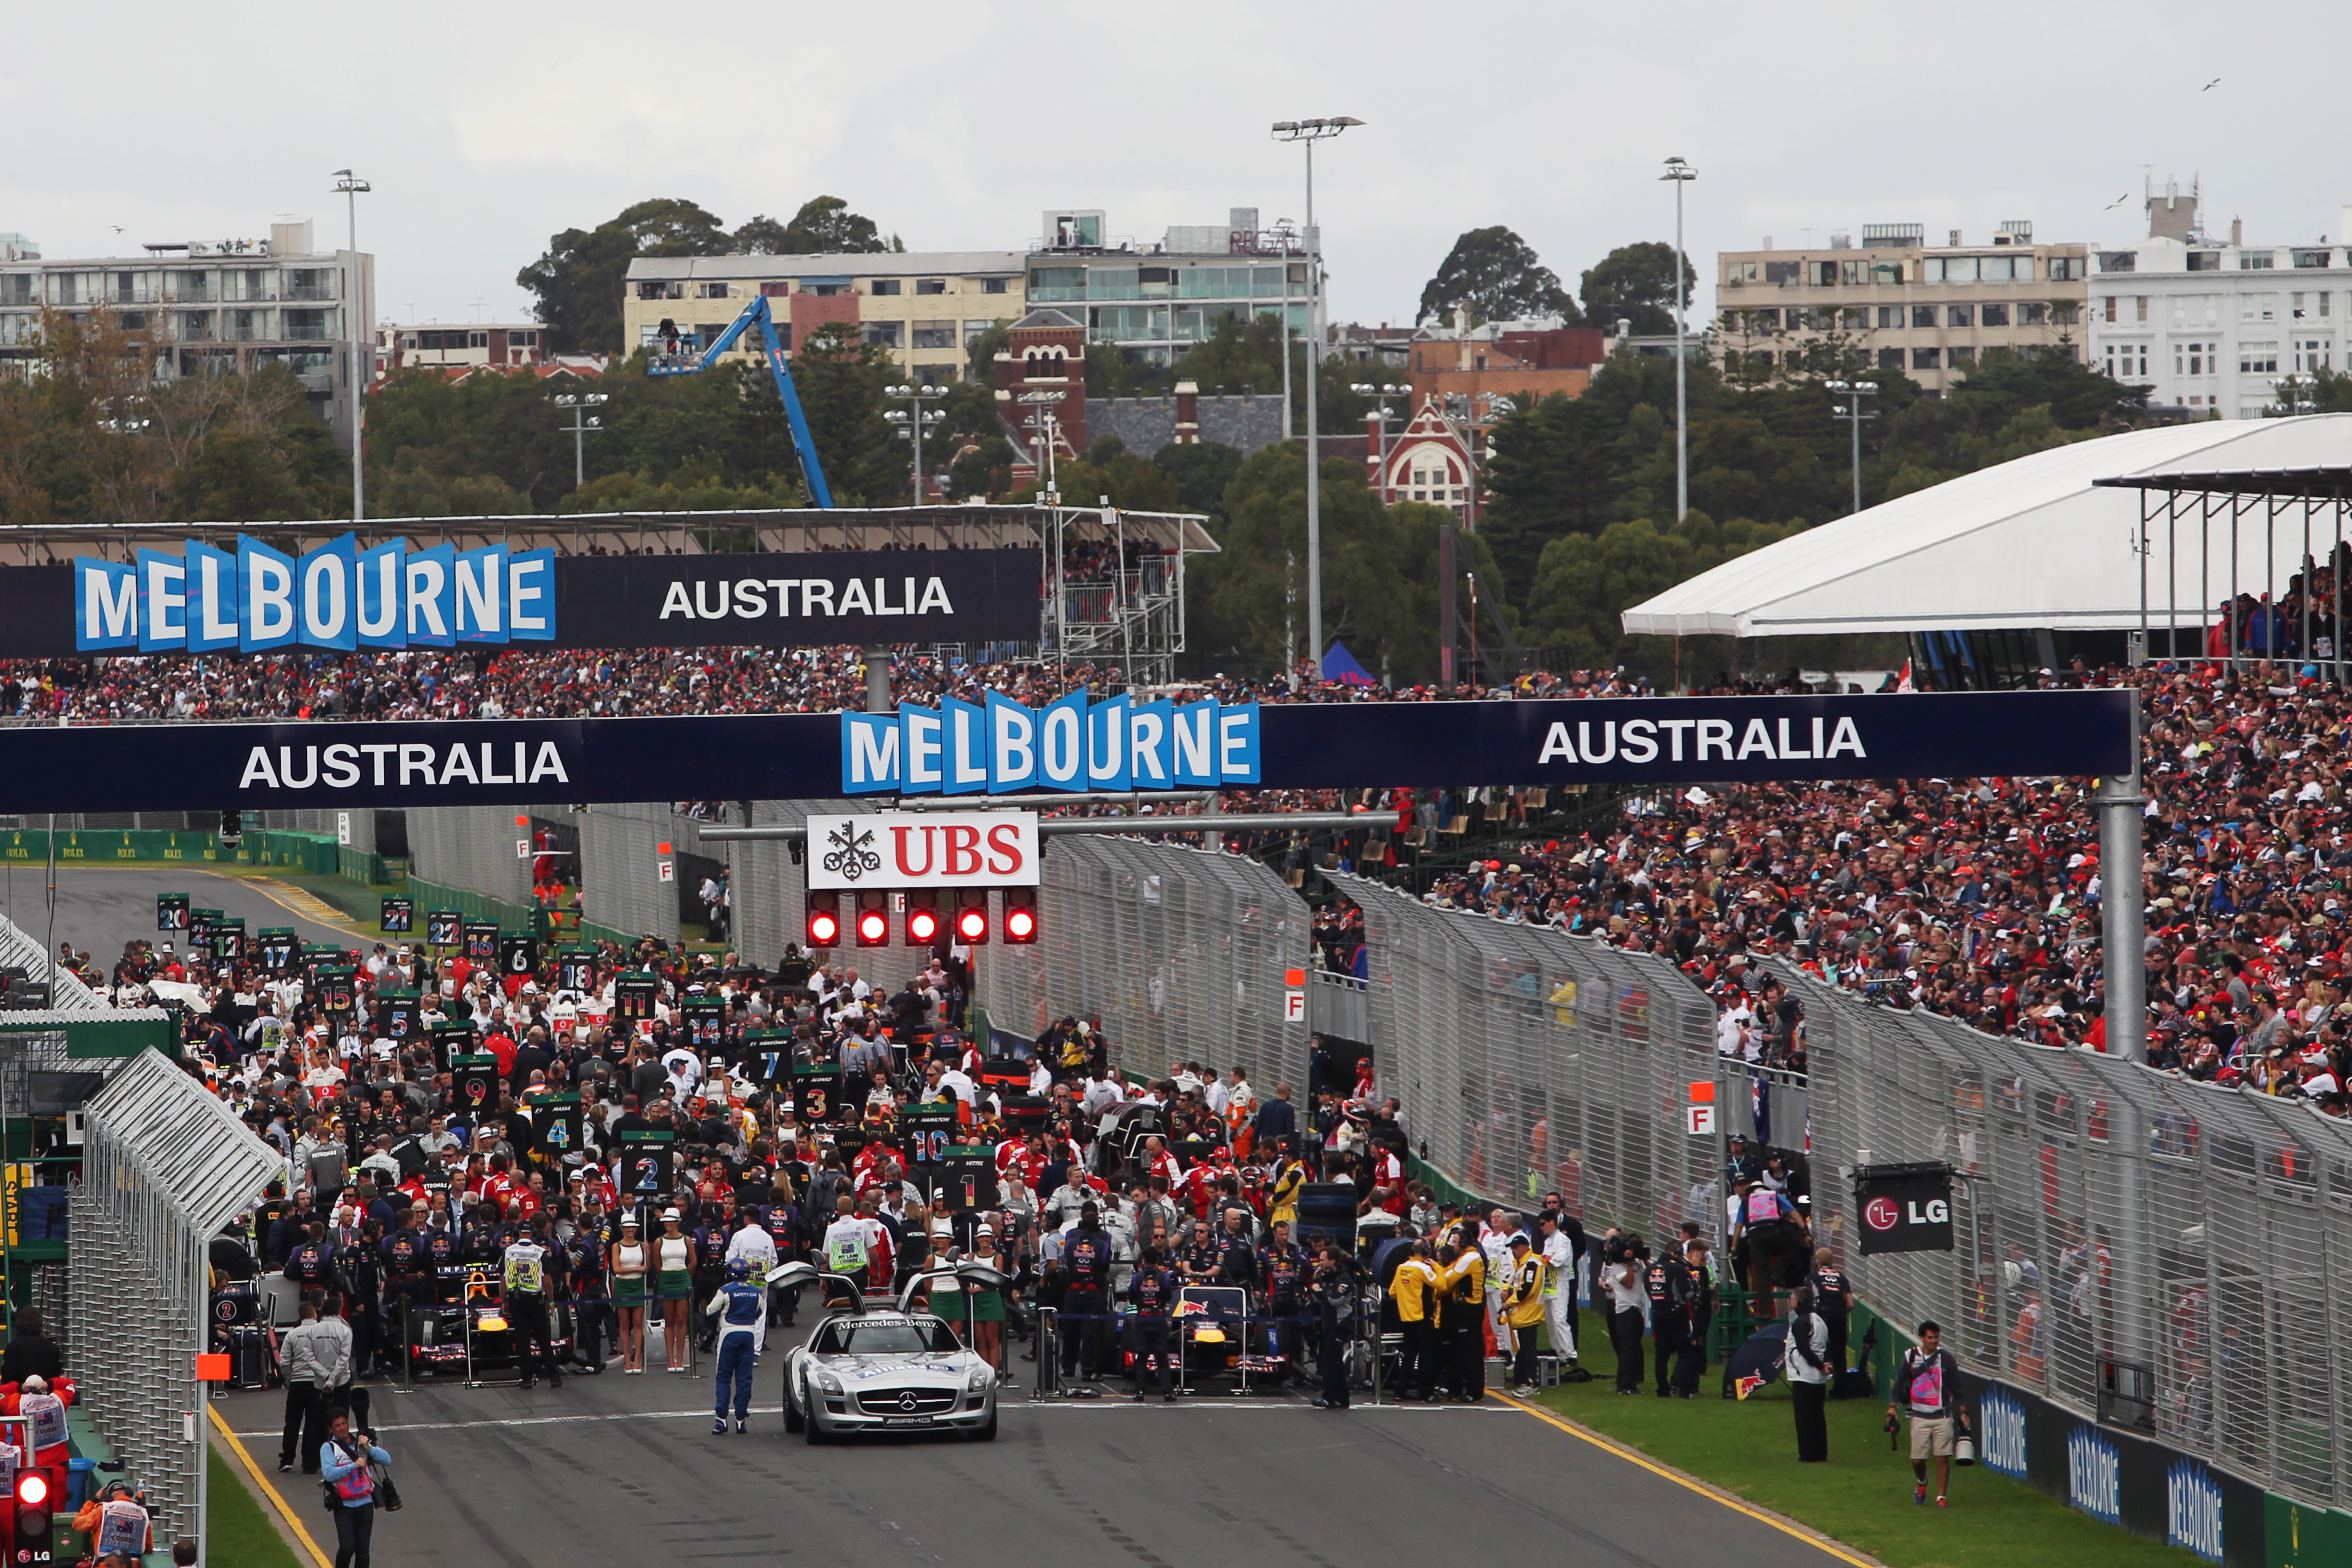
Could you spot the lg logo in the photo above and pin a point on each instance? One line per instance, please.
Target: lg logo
(1885, 1214)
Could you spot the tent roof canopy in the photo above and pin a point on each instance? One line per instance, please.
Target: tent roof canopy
(2052, 540)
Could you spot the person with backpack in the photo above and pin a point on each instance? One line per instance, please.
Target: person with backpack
(344, 1468)
(1926, 1388)
(1808, 1367)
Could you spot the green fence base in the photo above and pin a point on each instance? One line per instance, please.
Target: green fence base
(312, 852)
(510, 916)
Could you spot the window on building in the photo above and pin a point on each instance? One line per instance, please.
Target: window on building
(1993, 316)
(1955, 269)
(775, 291)
(973, 330)
(2126, 362)
(523, 340)
(824, 290)
(884, 285)
(1762, 359)
(1854, 318)
(2312, 257)
(1740, 272)
(931, 285)
(935, 334)
(1959, 315)
(1890, 359)
(2115, 303)
(1890, 315)
(1782, 272)
(2309, 307)
(2062, 268)
(2258, 358)
(995, 285)
(661, 289)
(1927, 359)
(1821, 273)
(1853, 274)
(2258, 307)
(2140, 301)
(1923, 316)
(885, 334)
(2204, 261)
(2194, 358)
(2119, 261)
(1764, 320)
(2312, 354)
(2256, 260)
(710, 291)
(1963, 356)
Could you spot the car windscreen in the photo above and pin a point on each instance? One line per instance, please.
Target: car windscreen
(897, 1338)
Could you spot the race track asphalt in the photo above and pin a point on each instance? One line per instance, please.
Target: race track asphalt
(102, 907)
(625, 1471)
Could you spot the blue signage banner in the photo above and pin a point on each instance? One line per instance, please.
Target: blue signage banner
(1000, 747)
(341, 596)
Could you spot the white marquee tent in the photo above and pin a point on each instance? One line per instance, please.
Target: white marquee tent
(2037, 542)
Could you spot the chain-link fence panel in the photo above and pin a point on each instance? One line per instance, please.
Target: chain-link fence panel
(1180, 951)
(164, 1165)
(472, 847)
(2141, 1248)
(1530, 1061)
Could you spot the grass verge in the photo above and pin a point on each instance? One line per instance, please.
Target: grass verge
(242, 1531)
(1862, 1496)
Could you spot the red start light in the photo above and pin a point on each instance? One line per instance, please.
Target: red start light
(32, 1489)
(1020, 924)
(973, 924)
(823, 928)
(923, 926)
(872, 926)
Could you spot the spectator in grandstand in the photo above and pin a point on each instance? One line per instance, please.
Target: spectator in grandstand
(31, 1352)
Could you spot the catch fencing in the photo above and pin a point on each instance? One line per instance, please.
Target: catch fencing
(1529, 1061)
(1180, 952)
(2143, 1248)
(164, 1165)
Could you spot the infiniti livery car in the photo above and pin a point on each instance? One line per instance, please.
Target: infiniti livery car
(889, 1369)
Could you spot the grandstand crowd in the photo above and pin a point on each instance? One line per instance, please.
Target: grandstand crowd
(1974, 898)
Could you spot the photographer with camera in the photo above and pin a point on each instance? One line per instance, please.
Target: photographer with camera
(1622, 1259)
(1674, 1298)
(1808, 1366)
(1334, 1291)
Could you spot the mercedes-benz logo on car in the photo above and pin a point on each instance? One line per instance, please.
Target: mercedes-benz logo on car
(907, 1401)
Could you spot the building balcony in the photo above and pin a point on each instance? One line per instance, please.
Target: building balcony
(311, 292)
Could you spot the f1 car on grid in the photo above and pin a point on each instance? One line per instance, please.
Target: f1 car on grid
(888, 1368)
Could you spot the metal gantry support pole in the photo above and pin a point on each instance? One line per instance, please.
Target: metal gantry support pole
(2124, 944)
(353, 188)
(1682, 173)
(1310, 131)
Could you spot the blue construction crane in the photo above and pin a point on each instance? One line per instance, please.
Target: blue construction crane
(669, 359)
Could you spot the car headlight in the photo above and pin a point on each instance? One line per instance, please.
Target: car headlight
(981, 1378)
(829, 1383)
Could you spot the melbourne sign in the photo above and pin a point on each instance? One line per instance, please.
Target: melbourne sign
(342, 596)
(924, 849)
(1074, 743)
(966, 748)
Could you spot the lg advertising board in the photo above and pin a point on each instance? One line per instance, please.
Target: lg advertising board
(1072, 745)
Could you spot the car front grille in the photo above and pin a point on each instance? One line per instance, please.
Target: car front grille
(905, 1400)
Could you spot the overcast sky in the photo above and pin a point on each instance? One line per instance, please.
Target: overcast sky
(487, 128)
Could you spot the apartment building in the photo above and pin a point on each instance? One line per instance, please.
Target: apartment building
(2214, 326)
(1933, 312)
(208, 306)
(1154, 301)
(922, 306)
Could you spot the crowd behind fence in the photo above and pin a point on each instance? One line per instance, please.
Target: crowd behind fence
(164, 1165)
(2137, 1247)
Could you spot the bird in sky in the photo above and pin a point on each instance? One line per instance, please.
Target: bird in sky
(2210, 85)
(2117, 203)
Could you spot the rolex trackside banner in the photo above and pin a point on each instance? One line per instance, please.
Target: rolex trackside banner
(343, 596)
(787, 756)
